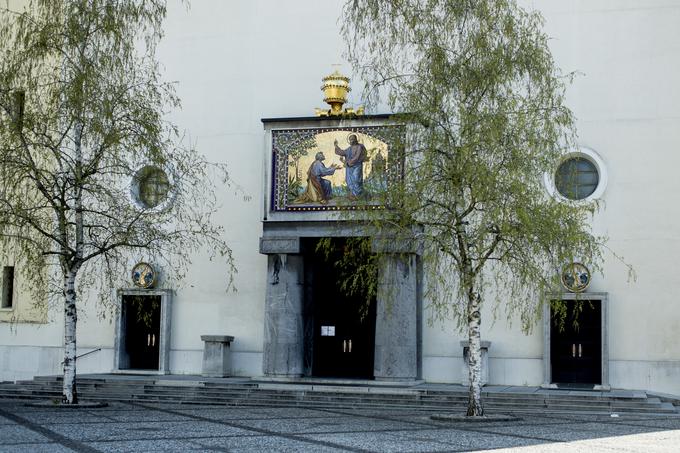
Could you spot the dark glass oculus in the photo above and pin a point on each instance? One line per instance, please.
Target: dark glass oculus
(576, 178)
(153, 187)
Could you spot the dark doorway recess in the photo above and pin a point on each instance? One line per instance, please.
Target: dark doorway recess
(142, 328)
(339, 327)
(576, 350)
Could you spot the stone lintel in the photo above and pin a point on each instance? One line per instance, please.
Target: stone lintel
(466, 344)
(217, 338)
(279, 245)
(395, 245)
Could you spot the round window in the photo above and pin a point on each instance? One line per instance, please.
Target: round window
(152, 187)
(577, 178)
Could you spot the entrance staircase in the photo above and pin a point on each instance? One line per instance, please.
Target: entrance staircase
(329, 395)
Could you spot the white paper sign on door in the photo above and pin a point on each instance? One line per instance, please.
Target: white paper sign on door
(327, 331)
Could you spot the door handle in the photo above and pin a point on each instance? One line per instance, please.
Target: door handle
(344, 345)
(148, 339)
(350, 345)
(153, 340)
(579, 350)
(573, 350)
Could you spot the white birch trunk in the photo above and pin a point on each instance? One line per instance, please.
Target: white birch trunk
(70, 395)
(475, 407)
(70, 319)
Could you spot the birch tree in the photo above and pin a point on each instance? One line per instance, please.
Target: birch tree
(93, 175)
(485, 121)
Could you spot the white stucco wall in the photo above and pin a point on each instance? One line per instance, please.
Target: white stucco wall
(626, 103)
(236, 62)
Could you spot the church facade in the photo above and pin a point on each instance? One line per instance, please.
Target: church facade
(248, 75)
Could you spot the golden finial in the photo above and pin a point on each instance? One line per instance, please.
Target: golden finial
(335, 89)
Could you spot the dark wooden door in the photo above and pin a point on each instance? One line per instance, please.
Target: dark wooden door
(576, 348)
(142, 333)
(344, 325)
(343, 340)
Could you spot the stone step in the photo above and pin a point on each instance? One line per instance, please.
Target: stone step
(321, 396)
(663, 409)
(188, 391)
(82, 383)
(352, 402)
(324, 398)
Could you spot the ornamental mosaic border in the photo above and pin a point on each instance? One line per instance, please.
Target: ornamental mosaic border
(286, 140)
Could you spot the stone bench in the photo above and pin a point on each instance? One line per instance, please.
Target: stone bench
(217, 355)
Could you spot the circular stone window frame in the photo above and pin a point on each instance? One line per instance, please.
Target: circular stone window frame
(591, 156)
(135, 180)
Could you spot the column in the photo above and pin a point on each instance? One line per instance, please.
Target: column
(396, 325)
(283, 317)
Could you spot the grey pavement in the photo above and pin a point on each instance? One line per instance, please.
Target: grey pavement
(123, 427)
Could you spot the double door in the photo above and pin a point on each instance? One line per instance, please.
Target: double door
(142, 331)
(344, 338)
(342, 323)
(576, 344)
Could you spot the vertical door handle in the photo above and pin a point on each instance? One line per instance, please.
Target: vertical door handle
(344, 345)
(148, 339)
(579, 350)
(153, 340)
(350, 345)
(573, 350)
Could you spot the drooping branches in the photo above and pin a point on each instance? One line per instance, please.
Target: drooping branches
(92, 115)
(486, 119)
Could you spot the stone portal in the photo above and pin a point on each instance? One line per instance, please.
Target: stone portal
(295, 330)
(577, 354)
(318, 171)
(142, 342)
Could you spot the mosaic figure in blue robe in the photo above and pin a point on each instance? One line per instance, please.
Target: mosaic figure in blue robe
(354, 158)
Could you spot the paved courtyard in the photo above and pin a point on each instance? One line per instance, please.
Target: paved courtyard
(123, 427)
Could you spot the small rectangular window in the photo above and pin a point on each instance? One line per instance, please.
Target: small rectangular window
(7, 286)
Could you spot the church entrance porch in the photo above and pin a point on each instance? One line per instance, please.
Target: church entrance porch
(342, 338)
(309, 329)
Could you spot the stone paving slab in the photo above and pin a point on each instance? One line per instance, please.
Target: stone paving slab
(176, 428)
(17, 434)
(461, 440)
(615, 429)
(647, 443)
(329, 425)
(139, 446)
(20, 406)
(45, 447)
(64, 417)
(6, 421)
(246, 414)
(260, 444)
(383, 442)
(671, 423)
(130, 416)
(144, 430)
(562, 433)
